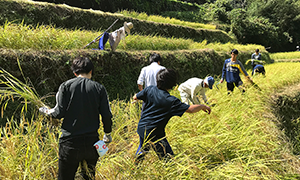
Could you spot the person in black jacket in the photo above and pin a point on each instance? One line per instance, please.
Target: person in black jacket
(80, 100)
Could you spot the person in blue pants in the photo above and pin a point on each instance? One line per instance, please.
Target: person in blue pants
(159, 107)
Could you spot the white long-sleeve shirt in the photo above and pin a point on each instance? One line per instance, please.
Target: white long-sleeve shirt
(148, 74)
(193, 86)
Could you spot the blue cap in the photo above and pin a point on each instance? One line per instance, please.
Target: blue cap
(209, 81)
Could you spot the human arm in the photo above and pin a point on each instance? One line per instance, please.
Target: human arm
(197, 107)
(106, 116)
(58, 111)
(223, 72)
(138, 96)
(140, 87)
(141, 79)
(195, 88)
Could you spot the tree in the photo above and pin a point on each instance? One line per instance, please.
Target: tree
(252, 29)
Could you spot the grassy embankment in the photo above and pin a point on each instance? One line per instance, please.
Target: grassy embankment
(160, 19)
(286, 56)
(50, 38)
(239, 140)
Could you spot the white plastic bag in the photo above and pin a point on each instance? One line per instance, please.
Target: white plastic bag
(101, 147)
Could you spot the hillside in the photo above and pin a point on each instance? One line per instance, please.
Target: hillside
(63, 16)
(251, 135)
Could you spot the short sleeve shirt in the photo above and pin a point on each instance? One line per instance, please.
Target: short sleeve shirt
(159, 107)
(148, 74)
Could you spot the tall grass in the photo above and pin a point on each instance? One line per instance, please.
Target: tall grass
(286, 56)
(238, 140)
(160, 19)
(50, 38)
(42, 37)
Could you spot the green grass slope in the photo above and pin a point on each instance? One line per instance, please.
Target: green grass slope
(64, 16)
(240, 139)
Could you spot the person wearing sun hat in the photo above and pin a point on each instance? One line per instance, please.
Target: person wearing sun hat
(194, 86)
(116, 36)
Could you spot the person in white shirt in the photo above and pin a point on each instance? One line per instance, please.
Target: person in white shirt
(190, 88)
(147, 76)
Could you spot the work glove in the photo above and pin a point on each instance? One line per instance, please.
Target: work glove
(107, 138)
(44, 110)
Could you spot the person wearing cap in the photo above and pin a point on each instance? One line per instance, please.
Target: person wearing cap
(231, 72)
(115, 37)
(297, 48)
(193, 86)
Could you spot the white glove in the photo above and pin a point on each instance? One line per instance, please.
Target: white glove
(107, 138)
(44, 110)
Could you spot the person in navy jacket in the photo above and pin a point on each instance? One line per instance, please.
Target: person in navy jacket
(159, 107)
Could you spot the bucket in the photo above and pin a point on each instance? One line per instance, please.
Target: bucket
(101, 147)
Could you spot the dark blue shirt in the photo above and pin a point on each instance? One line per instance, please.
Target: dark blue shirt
(159, 107)
(256, 66)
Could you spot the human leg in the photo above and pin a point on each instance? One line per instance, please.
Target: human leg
(142, 150)
(239, 85)
(88, 169)
(230, 87)
(73, 152)
(89, 157)
(68, 162)
(163, 149)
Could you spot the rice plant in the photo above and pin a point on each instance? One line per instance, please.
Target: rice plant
(286, 56)
(21, 36)
(160, 19)
(238, 140)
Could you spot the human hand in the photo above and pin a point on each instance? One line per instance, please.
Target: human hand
(44, 110)
(206, 109)
(134, 101)
(221, 81)
(107, 138)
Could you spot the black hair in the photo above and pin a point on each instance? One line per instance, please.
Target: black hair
(257, 50)
(166, 79)
(154, 58)
(82, 65)
(234, 51)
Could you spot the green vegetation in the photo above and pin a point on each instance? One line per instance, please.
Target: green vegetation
(270, 23)
(248, 136)
(160, 19)
(43, 37)
(286, 56)
(239, 141)
(65, 17)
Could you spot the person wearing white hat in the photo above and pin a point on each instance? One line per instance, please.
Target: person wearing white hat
(116, 36)
(193, 86)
